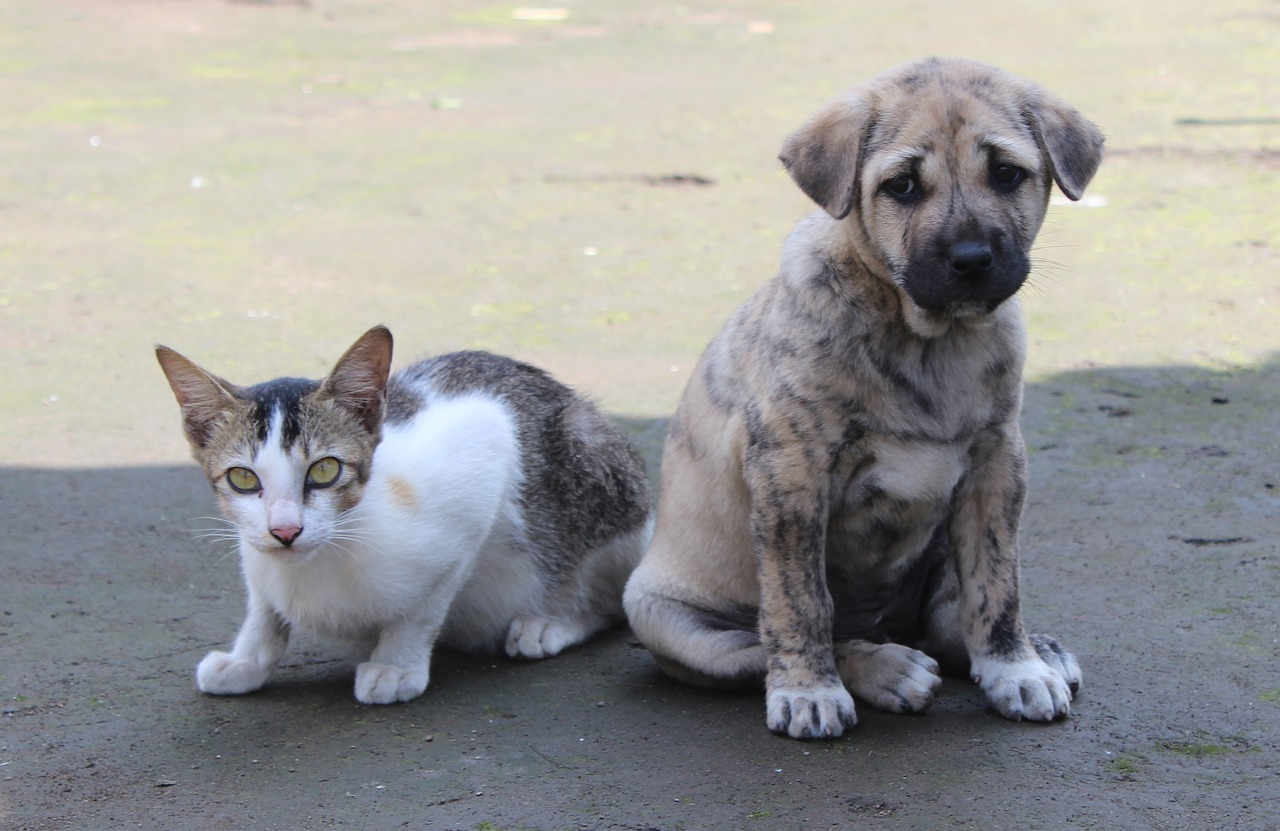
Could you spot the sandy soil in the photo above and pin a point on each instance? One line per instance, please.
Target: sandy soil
(257, 183)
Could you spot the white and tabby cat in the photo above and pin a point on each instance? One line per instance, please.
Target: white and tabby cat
(468, 498)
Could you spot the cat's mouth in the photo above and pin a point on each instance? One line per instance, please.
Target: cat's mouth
(294, 552)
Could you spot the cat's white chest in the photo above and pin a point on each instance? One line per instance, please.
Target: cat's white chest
(328, 593)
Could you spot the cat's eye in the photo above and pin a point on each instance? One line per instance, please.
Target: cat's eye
(324, 472)
(243, 480)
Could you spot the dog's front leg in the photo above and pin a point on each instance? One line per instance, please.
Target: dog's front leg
(984, 526)
(804, 696)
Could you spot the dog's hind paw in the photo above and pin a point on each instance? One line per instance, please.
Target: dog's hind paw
(821, 712)
(889, 676)
(1026, 689)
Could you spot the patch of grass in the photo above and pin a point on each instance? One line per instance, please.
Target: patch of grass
(1196, 750)
(760, 815)
(1270, 696)
(1124, 767)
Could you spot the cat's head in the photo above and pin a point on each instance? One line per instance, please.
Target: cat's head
(287, 457)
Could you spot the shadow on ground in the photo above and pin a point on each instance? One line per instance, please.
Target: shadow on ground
(1149, 547)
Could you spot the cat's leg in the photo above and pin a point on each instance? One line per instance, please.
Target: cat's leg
(394, 672)
(400, 666)
(259, 646)
(533, 637)
(589, 601)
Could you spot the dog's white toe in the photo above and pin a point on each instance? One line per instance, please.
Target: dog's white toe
(810, 712)
(1059, 660)
(1028, 689)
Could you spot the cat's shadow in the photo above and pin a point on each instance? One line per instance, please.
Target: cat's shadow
(317, 677)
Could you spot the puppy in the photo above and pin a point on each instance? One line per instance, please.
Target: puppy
(843, 480)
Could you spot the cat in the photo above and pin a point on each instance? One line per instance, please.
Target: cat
(468, 499)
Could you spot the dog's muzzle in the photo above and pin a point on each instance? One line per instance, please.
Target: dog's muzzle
(965, 274)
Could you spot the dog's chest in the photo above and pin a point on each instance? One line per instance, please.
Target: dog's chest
(895, 474)
(888, 495)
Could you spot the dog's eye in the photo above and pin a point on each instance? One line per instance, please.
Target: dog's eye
(903, 187)
(1007, 176)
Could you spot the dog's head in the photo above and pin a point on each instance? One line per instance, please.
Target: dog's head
(943, 169)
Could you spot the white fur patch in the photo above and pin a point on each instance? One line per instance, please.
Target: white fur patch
(918, 472)
(810, 712)
(1025, 689)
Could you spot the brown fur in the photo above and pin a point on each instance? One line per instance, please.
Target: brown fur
(844, 478)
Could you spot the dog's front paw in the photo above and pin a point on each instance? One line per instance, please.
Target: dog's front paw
(533, 638)
(889, 676)
(1026, 689)
(221, 673)
(387, 684)
(821, 712)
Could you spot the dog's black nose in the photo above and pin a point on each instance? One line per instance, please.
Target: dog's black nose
(970, 260)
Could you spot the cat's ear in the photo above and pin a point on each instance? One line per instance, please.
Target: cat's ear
(204, 397)
(359, 380)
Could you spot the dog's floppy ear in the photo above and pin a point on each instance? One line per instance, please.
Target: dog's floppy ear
(824, 156)
(1071, 142)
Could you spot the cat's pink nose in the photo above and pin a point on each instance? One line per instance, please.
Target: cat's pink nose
(287, 534)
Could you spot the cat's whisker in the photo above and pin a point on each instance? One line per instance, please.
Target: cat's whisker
(210, 532)
(359, 539)
(364, 537)
(225, 529)
(346, 519)
(349, 525)
(219, 519)
(231, 539)
(337, 542)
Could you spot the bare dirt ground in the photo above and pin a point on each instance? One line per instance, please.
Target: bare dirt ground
(257, 183)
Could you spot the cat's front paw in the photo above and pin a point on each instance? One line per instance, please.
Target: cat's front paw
(387, 684)
(221, 673)
(1026, 689)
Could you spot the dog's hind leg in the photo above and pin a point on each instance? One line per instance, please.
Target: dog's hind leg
(888, 676)
(943, 640)
(695, 644)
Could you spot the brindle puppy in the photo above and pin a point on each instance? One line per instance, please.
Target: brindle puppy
(845, 475)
